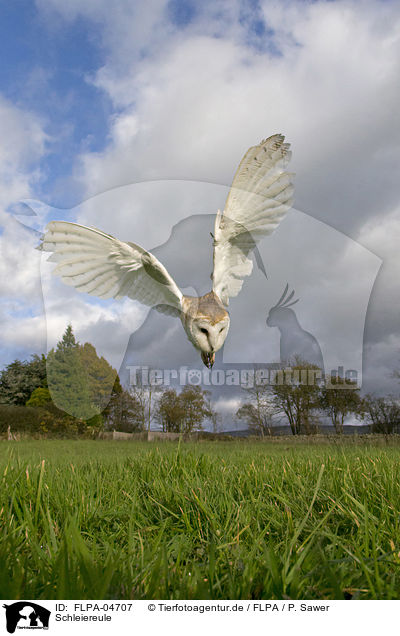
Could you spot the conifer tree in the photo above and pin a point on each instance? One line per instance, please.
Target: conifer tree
(67, 380)
(101, 377)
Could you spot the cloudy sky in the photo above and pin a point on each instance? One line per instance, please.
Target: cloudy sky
(134, 118)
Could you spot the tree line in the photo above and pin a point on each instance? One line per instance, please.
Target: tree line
(73, 391)
(303, 404)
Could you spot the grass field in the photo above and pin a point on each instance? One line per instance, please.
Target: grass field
(239, 520)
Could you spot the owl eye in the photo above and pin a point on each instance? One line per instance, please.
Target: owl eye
(222, 328)
(204, 330)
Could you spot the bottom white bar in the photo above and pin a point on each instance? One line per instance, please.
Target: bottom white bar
(197, 617)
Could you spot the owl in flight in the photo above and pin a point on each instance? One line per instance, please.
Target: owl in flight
(103, 266)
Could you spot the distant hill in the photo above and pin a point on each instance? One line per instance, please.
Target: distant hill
(348, 429)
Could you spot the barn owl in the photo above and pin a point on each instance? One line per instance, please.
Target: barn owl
(101, 265)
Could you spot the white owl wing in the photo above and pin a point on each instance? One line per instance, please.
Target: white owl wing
(101, 265)
(260, 195)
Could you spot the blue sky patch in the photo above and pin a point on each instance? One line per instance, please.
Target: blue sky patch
(46, 69)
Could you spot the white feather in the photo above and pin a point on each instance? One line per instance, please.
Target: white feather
(260, 195)
(101, 265)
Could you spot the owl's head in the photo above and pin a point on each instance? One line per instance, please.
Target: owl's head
(209, 337)
(206, 323)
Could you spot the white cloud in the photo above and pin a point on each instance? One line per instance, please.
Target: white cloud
(106, 324)
(226, 405)
(23, 144)
(19, 264)
(188, 104)
(191, 109)
(382, 350)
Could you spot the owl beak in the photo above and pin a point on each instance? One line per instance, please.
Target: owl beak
(208, 359)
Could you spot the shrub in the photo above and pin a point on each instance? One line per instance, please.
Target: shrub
(20, 418)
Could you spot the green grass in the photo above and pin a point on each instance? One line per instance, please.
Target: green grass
(240, 520)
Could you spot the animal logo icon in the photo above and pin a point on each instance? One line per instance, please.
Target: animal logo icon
(194, 376)
(295, 342)
(26, 615)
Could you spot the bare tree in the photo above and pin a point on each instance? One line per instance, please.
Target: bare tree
(169, 412)
(214, 416)
(194, 401)
(339, 400)
(145, 394)
(185, 412)
(382, 413)
(123, 413)
(258, 410)
(296, 393)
